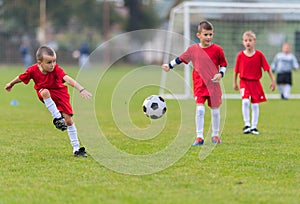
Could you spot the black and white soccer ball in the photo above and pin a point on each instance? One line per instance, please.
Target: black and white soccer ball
(154, 106)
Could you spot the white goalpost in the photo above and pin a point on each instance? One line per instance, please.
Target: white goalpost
(273, 23)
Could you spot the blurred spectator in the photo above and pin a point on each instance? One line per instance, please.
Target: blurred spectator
(84, 54)
(25, 51)
(283, 64)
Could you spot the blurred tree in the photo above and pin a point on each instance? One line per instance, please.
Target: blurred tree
(23, 16)
(19, 16)
(70, 21)
(141, 16)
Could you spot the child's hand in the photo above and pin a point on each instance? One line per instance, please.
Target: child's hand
(273, 86)
(235, 87)
(165, 67)
(217, 78)
(8, 87)
(85, 94)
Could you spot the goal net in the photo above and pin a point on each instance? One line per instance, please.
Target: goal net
(273, 23)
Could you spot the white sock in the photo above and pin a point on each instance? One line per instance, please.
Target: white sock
(72, 132)
(286, 90)
(255, 114)
(199, 119)
(50, 105)
(215, 121)
(280, 88)
(246, 111)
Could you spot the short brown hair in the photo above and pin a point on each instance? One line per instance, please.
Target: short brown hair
(44, 50)
(206, 25)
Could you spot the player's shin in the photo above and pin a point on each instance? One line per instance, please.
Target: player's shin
(50, 105)
(215, 121)
(246, 111)
(72, 132)
(199, 119)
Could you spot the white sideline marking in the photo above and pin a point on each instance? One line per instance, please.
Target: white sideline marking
(268, 96)
(226, 96)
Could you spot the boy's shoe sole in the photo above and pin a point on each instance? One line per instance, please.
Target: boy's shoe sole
(199, 141)
(80, 153)
(254, 131)
(60, 123)
(247, 130)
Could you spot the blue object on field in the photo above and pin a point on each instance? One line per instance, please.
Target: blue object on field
(14, 102)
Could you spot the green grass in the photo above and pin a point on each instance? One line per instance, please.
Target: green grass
(37, 165)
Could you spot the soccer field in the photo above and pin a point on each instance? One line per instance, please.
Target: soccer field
(38, 166)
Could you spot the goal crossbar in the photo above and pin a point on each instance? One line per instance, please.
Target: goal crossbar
(244, 7)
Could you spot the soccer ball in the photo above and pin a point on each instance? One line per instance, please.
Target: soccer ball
(154, 107)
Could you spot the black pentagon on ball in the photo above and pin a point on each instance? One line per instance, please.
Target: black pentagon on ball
(154, 106)
(164, 110)
(154, 117)
(144, 109)
(161, 98)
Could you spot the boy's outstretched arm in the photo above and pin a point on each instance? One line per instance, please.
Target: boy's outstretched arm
(9, 86)
(172, 64)
(84, 93)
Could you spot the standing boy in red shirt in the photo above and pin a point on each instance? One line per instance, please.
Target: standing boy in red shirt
(209, 67)
(49, 81)
(249, 65)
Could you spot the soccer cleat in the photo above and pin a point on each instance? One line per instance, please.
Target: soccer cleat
(247, 129)
(254, 131)
(60, 123)
(216, 140)
(199, 141)
(80, 152)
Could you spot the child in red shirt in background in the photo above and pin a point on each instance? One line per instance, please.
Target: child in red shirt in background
(249, 65)
(209, 64)
(49, 81)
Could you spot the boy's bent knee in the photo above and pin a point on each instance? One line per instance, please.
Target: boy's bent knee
(68, 119)
(44, 93)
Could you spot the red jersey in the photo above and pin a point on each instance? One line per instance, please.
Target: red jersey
(54, 82)
(250, 68)
(206, 62)
(50, 80)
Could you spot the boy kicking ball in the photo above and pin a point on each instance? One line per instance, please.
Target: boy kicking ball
(49, 80)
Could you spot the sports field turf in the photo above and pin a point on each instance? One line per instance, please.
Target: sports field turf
(37, 165)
